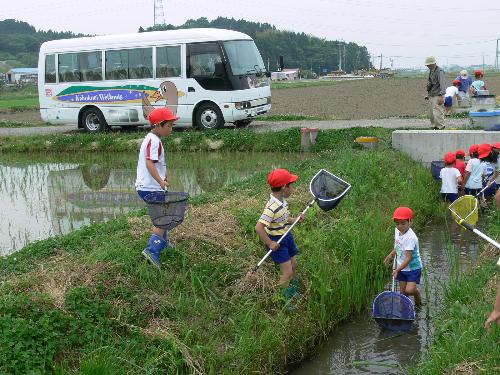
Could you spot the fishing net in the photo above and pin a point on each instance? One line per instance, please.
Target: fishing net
(436, 167)
(166, 209)
(328, 189)
(465, 208)
(393, 311)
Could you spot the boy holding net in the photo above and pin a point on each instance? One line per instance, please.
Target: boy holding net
(152, 175)
(273, 223)
(406, 250)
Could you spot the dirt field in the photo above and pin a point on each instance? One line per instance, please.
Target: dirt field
(363, 99)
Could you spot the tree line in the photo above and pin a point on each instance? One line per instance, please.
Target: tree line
(20, 43)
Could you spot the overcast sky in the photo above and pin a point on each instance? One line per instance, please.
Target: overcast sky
(456, 32)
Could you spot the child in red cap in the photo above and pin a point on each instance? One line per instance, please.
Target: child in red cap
(451, 92)
(478, 83)
(152, 175)
(474, 171)
(409, 264)
(274, 222)
(450, 178)
(460, 162)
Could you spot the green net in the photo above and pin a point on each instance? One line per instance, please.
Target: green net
(465, 208)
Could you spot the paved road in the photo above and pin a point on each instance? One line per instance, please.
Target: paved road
(264, 126)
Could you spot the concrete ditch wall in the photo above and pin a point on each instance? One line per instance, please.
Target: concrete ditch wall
(430, 145)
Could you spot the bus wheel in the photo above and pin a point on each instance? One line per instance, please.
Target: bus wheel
(209, 116)
(242, 123)
(93, 120)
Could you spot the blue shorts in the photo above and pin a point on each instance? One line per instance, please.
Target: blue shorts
(448, 101)
(287, 249)
(450, 197)
(410, 276)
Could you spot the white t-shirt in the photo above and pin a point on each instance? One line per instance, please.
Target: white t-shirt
(476, 169)
(449, 183)
(151, 149)
(451, 91)
(407, 242)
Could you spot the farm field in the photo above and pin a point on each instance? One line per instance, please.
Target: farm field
(362, 99)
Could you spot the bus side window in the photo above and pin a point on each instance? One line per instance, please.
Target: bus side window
(68, 68)
(50, 69)
(90, 64)
(140, 63)
(168, 61)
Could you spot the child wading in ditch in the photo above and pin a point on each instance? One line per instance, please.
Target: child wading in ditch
(408, 263)
(451, 178)
(152, 175)
(273, 223)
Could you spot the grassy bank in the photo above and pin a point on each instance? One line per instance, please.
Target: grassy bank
(19, 98)
(222, 140)
(462, 345)
(87, 302)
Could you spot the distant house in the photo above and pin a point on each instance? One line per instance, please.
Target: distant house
(291, 74)
(21, 75)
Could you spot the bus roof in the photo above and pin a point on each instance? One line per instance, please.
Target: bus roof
(142, 39)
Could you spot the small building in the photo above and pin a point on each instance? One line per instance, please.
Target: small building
(291, 73)
(19, 76)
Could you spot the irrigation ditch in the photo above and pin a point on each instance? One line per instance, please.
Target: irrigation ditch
(85, 302)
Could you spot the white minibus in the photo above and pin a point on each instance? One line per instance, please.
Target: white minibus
(208, 77)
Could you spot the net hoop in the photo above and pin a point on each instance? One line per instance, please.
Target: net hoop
(466, 209)
(393, 311)
(166, 209)
(347, 186)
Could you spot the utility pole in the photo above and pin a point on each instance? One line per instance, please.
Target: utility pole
(496, 56)
(381, 61)
(340, 56)
(159, 16)
(483, 64)
(345, 64)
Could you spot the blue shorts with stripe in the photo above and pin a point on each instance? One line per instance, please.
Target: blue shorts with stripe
(287, 249)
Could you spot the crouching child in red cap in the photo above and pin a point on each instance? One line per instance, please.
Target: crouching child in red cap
(451, 178)
(408, 263)
(274, 222)
(451, 92)
(152, 175)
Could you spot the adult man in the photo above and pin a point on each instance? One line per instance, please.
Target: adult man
(436, 88)
(465, 80)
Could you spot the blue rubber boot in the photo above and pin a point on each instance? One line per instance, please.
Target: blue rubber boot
(152, 252)
(169, 244)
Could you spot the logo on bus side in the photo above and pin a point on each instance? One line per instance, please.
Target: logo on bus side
(109, 95)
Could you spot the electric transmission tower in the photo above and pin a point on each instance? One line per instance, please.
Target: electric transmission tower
(159, 16)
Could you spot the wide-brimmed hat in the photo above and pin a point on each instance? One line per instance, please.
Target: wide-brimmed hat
(463, 73)
(430, 60)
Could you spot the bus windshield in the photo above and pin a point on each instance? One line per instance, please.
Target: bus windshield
(244, 57)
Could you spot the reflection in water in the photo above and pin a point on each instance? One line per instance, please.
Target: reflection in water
(360, 346)
(48, 198)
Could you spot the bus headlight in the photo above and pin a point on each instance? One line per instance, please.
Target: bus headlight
(242, 105)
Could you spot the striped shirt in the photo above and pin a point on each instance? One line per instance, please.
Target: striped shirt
(275, 216)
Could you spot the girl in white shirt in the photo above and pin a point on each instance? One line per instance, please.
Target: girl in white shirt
(450, 178)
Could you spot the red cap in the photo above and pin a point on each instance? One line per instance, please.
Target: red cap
(457, 82)
(496, 145)
(280, 177)
(478, 72)
(460, 153)
(484, 150)
(473, 149)
(403, 213)
(161, 114)
(450, 157)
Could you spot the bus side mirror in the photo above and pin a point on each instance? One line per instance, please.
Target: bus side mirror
(268, 74)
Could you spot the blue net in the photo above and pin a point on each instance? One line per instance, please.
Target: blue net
(166, 209)
(328, 189)
(394, 311)
(436, 167)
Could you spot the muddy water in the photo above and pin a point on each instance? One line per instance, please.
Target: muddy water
(360, 346)
(56, 195)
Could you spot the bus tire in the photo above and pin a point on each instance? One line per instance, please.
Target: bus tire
(209, 116)
(93, 121)
(242, 123)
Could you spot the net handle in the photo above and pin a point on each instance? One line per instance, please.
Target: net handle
(466, 225)
(393, 277)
